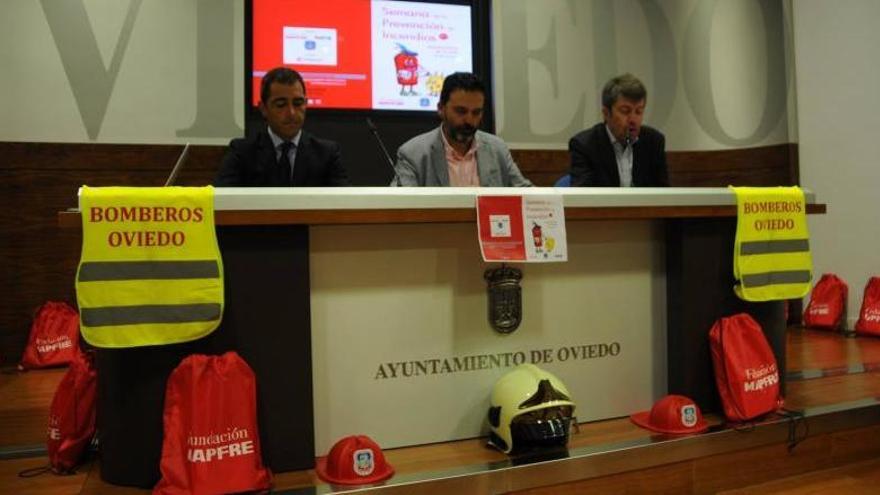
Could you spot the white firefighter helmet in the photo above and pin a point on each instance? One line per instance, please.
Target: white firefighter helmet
(529, 407)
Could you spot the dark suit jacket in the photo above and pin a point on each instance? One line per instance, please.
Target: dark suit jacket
(251, 162)
(593, 162)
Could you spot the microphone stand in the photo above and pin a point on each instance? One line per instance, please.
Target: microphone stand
(375, 132)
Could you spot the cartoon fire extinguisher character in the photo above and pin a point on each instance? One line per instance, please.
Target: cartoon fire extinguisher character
(407, 65)
(537, 237)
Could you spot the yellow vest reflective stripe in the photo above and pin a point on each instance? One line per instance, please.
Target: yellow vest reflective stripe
(771, 258)
(103, 271)
(150, 271)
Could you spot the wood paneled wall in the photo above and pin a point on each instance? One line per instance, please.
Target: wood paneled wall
(37, 180)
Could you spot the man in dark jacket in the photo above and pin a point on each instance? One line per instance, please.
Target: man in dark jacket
(283, 154)
(620, 151)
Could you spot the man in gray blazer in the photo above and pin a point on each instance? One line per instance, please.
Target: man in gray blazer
(456, 153)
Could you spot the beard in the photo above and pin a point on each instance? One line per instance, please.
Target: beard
(463, 133)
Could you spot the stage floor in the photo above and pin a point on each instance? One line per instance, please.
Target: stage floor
(832, 377)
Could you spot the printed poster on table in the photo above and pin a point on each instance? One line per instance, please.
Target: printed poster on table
(528, 228)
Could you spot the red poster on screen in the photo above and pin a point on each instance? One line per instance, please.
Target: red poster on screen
(362, 54)
(500, 226)
(329, 43)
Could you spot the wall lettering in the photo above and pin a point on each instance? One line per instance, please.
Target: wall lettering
(215, 72)
(536, 79)
(91, 82)
(697, 65)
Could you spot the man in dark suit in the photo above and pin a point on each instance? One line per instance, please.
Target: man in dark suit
(620, 151)
(283, 154)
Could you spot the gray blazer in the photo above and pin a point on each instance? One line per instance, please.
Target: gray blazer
(421, 161)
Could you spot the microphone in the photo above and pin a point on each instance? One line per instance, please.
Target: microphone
(177, 166)
(627, 138)
(376, 135)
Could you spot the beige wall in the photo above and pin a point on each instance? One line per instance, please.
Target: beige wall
(718, 73)
(170, 71)
(111, 71)
(838, 85)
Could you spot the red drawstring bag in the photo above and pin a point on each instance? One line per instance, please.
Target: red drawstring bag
(745, 368)
(72, 414)
(211, 442)
(71, 417)
(827, 303)
(54, 337)
(869, 316)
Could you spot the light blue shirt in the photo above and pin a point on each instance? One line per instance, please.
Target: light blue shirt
(277, 143)
(624, 156)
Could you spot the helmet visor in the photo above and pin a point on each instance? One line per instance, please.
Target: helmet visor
(543, 427)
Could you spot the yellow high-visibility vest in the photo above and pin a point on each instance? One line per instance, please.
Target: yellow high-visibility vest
(150, 271)
(771, 258)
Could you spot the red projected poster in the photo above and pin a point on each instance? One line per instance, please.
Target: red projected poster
(363, 54)
(328, 42)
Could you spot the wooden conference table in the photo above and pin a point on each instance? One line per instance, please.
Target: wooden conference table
(278, 244)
